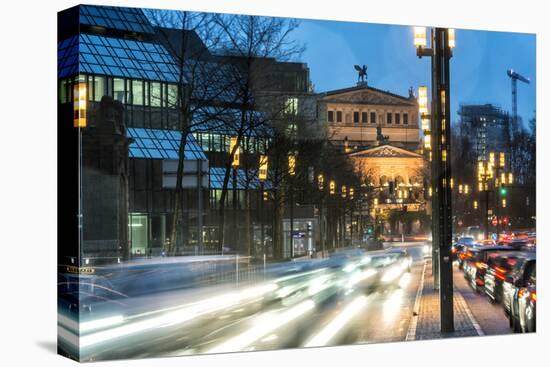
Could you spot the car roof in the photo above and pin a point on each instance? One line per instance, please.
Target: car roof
(493, 248)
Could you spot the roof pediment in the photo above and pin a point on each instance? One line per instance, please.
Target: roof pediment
(367, 95)
(385, 151)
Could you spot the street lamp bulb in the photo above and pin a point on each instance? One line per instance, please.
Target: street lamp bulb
(451, 33)
(420, 36)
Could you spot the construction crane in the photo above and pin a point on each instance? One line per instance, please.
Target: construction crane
(515, 76)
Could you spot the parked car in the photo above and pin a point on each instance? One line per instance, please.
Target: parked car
(527, 306)
(517, 287)
(498, 266)
(475, 265)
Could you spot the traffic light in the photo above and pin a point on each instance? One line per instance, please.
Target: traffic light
(503, 191)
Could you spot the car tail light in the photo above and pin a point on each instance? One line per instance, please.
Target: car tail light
(453, 250)
(521, 292)
(500, 270)
(500, 276)
(534, 296)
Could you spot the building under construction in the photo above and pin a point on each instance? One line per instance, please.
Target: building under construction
(488, 127)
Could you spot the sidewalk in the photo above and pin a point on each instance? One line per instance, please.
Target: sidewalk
(425, 323)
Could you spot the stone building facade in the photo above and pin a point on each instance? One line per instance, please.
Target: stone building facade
(351, 116)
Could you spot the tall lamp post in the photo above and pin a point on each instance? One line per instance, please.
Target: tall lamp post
(233, 147)
(440, 52)
(291, 173)
(262, 176)
(321, 187)
(332, 191)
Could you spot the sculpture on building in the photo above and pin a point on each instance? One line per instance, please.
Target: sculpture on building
(362, 73)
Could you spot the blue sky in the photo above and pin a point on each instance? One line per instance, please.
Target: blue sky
(478, 67)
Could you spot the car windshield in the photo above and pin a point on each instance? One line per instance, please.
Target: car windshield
(466, 241)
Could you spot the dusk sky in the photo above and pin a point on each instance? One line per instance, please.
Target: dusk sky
(478, 66)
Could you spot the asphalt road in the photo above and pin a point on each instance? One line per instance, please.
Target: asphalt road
(326, 312)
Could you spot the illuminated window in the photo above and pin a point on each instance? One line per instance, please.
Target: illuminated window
(172, 95)
(118, 89)
(137, 92)
(155, 94)
(99, 88)
(291, 106)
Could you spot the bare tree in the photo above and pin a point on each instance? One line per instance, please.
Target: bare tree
(201, 88)
(247, 42)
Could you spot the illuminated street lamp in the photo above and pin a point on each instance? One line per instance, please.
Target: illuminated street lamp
(332, 187)
(451, 33)
(291, 164)
(79, 105)
(292, 173)
(262, 173)
(262, 176)
(442, 42)
(420, 37)
(321, 182)
(235, 150)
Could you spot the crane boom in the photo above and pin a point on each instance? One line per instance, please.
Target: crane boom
(515, 76)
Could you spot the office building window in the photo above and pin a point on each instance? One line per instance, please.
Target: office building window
(330, 116)
(118, 89)
(338, 116)
(137, 92)
(356, 117)
(373, 117)
(172, 95)
(99, 88)
(389, 118)
(155, 94)
(364, 116)
(397, 119)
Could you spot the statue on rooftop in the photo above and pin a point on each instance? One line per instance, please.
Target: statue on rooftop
(362, 73)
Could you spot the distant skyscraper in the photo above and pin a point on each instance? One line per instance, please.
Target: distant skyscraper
(487, 126)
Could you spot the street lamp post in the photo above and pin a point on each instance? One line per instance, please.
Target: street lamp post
(262, 176)
(321, 186)
(442, 42)
(330, 209)
(291, 173)
(235, 149)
